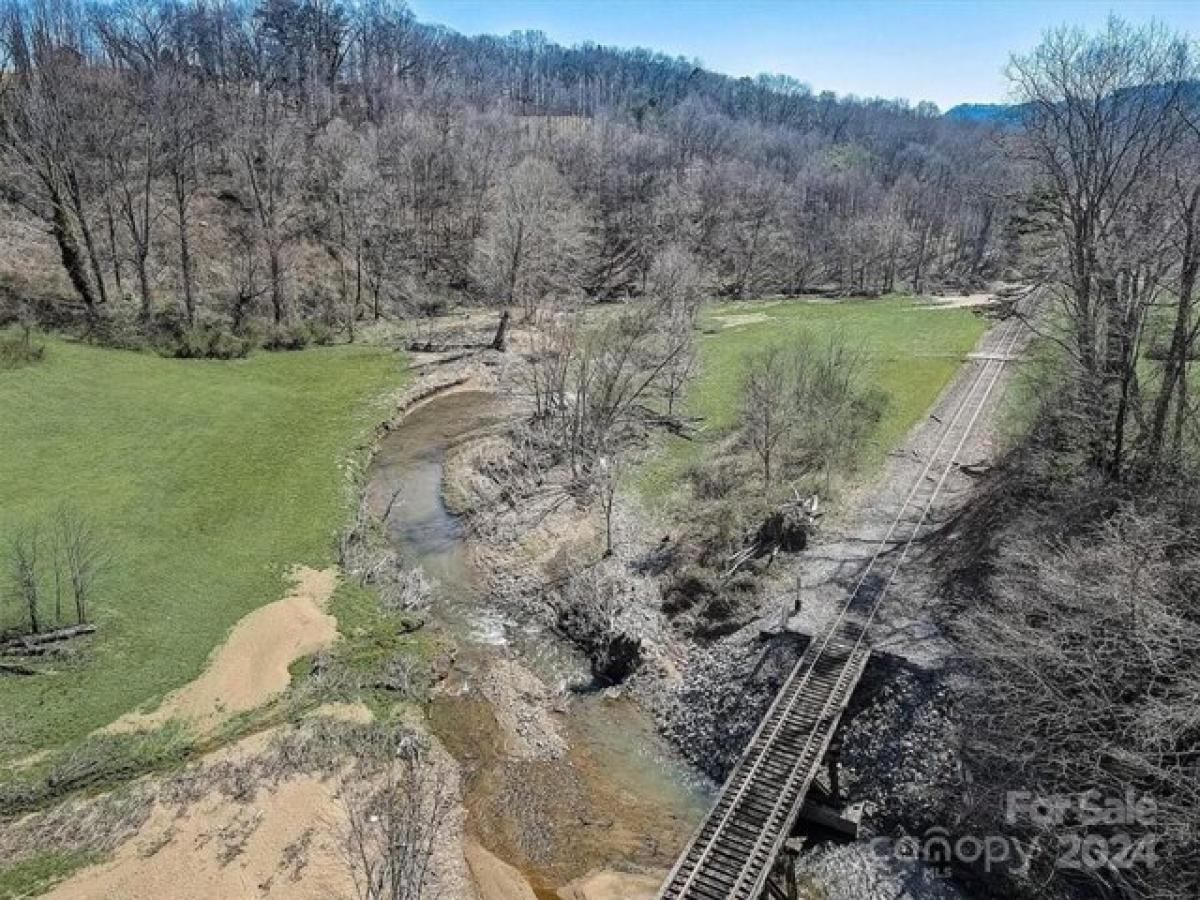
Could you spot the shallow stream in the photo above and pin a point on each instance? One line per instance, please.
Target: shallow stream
(619, 797)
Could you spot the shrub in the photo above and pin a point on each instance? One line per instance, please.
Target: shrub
(118, 329)
(716, 479)
(287, 337)
(429, 307)
(18, 349)
(229, 346)
(320, 334)
(170, 320)
(692, 585)
(208, 342)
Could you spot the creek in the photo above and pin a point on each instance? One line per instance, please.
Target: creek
(619, 797)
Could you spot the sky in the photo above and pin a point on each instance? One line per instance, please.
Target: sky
(947, 51)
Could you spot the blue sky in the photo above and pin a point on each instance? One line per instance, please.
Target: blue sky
(948, 51)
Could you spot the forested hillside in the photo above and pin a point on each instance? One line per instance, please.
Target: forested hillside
(167, 165)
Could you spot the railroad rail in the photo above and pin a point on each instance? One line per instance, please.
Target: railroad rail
(732, 852)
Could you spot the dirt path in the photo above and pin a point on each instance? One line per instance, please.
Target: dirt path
(251, 666)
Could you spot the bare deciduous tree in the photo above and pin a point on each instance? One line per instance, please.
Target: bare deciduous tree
(23, 550)
(492, 168)
(675, 282)
(1102, 118)
(267, 144)
(533, 237)
(395, 823)
(45, 100)
(84, 556)
(768, 412)
(805, 403)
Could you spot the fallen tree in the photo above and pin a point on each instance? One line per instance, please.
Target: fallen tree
(19, 642)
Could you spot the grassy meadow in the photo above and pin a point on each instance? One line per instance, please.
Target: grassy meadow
(913, 353)
(206, 482)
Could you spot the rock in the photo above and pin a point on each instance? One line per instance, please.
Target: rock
(607, 884)
(495, 879)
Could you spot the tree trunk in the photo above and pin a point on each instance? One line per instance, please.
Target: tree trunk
(1175, 369)
(185, 253)
(144, 285)
(113, 252)
(278, 300)
(139, 232)
(515, 266)
(88, 242)
(72, 259)
(498, 341)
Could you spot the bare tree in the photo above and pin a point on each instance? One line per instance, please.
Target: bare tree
(396, 822)
(493, 167)
(23, 548)
(532, 241)
(675, 282)
(188, 124)
(767, 412)
(608, 479)
(135, 165)
(588, 383)
(1102, 116)
(45, 100)
(833, 403)
(1184, 194)
(84, 556)
(348, 181)
(267, 144)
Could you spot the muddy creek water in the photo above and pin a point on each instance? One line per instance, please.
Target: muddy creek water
(617, 798)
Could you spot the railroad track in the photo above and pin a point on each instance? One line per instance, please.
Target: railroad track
(732, 852)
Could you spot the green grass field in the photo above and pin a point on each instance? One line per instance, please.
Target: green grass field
(913, 353)
(206, 480)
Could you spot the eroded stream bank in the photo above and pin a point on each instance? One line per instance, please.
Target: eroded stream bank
(557, 782)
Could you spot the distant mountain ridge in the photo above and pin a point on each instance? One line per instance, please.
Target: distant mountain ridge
(986, 113)
(1010, 114)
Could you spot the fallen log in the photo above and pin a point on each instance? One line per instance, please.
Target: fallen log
(677, 425)
(16, 669)
(32, 650)
(975, 470)
(447, 347)
(28, 641)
